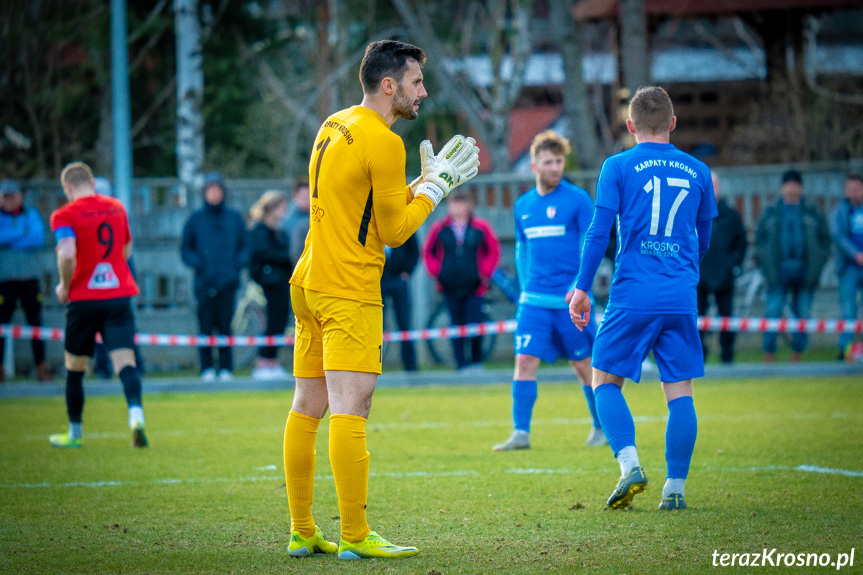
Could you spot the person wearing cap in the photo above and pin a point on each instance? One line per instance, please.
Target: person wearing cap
(214, 245)
(461, 253)
(846, 229)
(792, 243)
(22, 233)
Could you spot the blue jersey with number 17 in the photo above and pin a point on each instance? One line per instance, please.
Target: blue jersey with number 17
(659, 193)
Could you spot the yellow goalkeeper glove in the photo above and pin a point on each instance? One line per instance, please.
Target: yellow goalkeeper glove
(456, 163)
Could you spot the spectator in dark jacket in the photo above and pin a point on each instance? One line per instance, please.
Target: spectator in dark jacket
(395, 285)
(721, 264)
(792, 243)
(22, 232)
(846, 229)
(214, 246)
(270, 266)
(461, 252)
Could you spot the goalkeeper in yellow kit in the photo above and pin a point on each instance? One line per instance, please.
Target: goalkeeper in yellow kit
(359, 203)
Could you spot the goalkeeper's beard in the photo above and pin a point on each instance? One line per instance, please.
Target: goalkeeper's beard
(403, 107)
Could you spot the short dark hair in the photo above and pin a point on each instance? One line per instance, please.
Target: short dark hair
(651, 110)
(855, 176)
(387, 58)
(300, 184)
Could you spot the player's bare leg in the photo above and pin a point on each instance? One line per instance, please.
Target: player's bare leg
(680, 434)
(524, 392)
(620, 430)
(596, 437)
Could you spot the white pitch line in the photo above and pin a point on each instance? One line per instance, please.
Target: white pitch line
(828, 470)
(403, 475)
(442, 425)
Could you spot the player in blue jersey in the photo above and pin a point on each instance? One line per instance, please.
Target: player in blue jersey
(664, 205)
(549, 220)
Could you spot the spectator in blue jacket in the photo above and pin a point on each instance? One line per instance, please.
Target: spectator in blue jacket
(846, 229)
(22, 232)
(214, 246)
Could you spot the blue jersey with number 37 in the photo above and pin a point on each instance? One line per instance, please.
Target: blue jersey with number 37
(659, 193)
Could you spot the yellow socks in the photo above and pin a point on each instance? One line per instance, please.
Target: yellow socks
(299, 452)
(350, 462)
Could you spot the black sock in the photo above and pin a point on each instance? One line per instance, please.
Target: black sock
(131, 384)
(74, 395)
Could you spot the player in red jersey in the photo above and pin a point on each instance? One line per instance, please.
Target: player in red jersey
(93, 245)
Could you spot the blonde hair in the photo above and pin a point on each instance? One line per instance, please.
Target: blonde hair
(266, 204)
(551, 141)
(651, 110)
(76, 175)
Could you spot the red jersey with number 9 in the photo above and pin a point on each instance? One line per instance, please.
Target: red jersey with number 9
(101, 230)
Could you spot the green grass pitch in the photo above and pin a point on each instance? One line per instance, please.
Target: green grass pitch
(208, 495)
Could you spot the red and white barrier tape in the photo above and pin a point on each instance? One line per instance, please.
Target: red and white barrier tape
(171, 340)
(779, 325)
(734, 324)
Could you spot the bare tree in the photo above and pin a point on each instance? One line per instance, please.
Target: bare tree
(635, 59)
(576, 105)
(486, 108)
(813, 26)
(190, 95)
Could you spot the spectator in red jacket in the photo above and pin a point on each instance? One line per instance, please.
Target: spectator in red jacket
(461, 253)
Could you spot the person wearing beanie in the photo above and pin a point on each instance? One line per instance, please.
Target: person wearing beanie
(22, 233)
(214, 246)
(792, 243)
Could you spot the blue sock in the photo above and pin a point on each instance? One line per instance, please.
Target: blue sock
(680, 436)
(591, 405)
(524, 394)
(615, 416)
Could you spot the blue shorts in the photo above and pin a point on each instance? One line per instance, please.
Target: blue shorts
(549, 334)
(625, 338)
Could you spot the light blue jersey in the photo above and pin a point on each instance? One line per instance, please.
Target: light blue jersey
(659, 194)
(549, 233)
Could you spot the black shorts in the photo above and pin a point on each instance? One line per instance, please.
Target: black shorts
(113, 318)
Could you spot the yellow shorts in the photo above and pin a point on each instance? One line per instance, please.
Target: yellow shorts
(334, 333)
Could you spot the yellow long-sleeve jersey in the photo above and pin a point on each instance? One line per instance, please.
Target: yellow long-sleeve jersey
(358, 191)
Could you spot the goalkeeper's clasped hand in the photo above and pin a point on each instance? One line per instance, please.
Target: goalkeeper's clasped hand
(456, 163)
